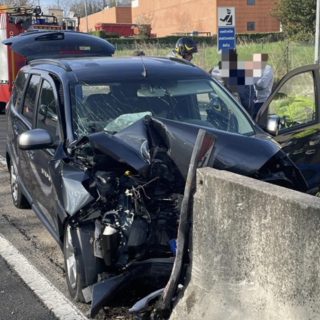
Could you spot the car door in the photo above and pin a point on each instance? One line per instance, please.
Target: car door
(296, 102)
(22, 122)
(15, 123)
(47, 118)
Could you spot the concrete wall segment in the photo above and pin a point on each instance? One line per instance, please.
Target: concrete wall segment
(255, 252)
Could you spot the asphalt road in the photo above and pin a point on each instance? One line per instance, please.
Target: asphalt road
(16, 298)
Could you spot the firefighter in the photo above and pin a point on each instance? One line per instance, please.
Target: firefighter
(185, 48)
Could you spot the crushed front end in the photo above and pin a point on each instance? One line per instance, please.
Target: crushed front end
(131, 185)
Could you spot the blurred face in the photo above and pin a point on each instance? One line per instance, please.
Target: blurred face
(188, 56)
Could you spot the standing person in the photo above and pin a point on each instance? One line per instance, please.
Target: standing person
(236, 81)
(247, 97)
(215, 73)
(263, 88)
(184, 49)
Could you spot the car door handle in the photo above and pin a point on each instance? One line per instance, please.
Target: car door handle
(31, 154)
(15, 129)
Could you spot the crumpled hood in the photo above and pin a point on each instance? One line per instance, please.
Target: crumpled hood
(233, 152)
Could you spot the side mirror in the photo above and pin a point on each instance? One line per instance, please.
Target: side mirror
(43, 110)
(35, 139)
(273, 125)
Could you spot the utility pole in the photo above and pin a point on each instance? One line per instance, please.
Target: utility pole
(316, 52)
(86, 13)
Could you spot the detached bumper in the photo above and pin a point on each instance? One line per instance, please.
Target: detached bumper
(151, 271)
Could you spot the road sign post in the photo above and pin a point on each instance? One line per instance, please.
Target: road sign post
(226, 21)
(226, 38)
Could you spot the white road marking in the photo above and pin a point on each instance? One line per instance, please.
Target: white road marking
(3, 160)
(56, 302)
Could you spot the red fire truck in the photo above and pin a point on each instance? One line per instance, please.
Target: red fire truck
(14, 21)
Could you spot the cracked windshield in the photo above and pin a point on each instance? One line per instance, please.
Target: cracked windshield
(112, 107)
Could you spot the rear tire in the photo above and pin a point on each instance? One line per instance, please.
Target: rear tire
(18, 198)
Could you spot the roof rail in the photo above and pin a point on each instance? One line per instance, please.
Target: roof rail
(63, 64)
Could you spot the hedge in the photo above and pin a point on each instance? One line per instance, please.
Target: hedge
(211, 40)
(102, 34)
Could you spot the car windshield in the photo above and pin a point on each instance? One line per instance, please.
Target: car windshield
(112, 107)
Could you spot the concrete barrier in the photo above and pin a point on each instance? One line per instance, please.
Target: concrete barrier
(255, 252)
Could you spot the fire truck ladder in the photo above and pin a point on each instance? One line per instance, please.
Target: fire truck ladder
(15, 10)
(30, 18)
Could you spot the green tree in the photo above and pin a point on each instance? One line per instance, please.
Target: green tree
(125, 3)
(297, 17)
(112, 3)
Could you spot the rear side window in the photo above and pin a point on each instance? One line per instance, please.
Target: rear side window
(30, 98)
(18, 89)
(47, 117)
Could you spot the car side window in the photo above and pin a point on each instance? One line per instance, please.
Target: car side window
(294, 103)
(47, 117)
(18, 89)
(203, 102)
(30, 98)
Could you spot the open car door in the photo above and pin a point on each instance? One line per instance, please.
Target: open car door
(291, 115)
(57, 44)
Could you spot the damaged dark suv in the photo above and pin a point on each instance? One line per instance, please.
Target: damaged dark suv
(100, 149)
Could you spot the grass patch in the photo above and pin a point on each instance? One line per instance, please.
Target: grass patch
(283, 56)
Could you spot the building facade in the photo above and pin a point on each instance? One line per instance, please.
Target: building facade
(181, 16)
(169, 17)
(111, 15)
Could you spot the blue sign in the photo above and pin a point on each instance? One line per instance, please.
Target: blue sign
(226, 38)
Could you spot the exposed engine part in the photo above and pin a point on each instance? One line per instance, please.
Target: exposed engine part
(138, 233)
(109, 241)
(97, 233)
(137, 218)
(107, 184)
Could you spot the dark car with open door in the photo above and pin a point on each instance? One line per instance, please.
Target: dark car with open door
(100, 149)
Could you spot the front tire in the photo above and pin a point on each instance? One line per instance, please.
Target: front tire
(81, 266)
(18, 198)
(74, 277)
